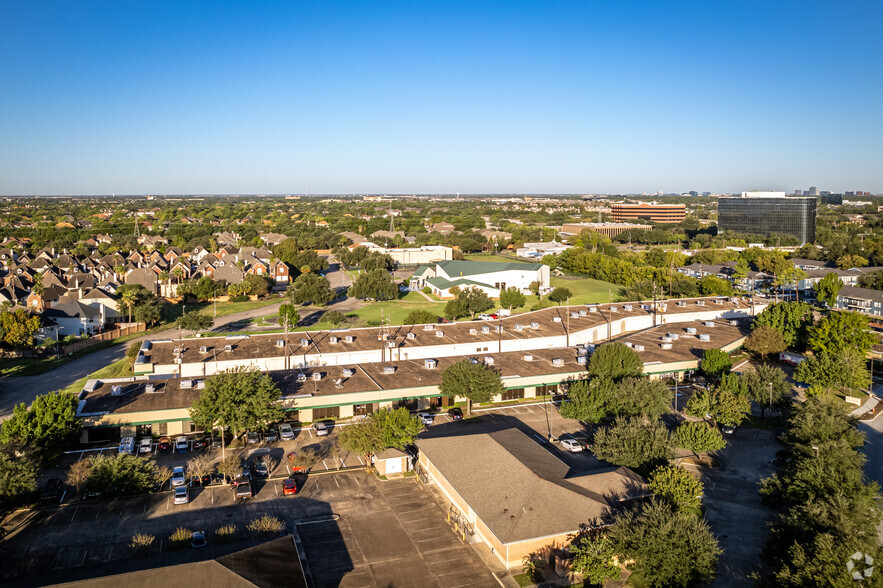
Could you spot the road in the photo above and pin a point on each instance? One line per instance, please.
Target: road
(873, 450)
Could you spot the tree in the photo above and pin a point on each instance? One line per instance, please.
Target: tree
(194, 322)
(719, 403)
(381, 430)
(676, 486)
(594, 558)
(846, 370)
(231, 465)
(633, 443)
(840, 330)
(711, 285)
(716, 363)
(257, 285)
(475, 382)
(288, 316)
(311, 287)
(148, 313)
(587, 401)
(19, 328)
(765, 340)
(120, 475)
(828, 288)
(614, 361)
(669, 548)
(640, 397)
(241, 399)
(560, 294)
(535, 287)
(335, 317)
(50, 425)
(822, 420)
(511, 298)
(850, 261)
(128, 297)
(767, 385)
(698, 437)
(78, 475)
(376, 284)
(420, 317)
(456, 308)
(789, 318)
(18, 480)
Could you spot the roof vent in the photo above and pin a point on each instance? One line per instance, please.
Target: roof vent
(626, 306)
(347, 372)
(428, 327)
(557, 362)
(638, 348)
(527, 357)
(665, 345)
(317, 376)
(203, 349)
(534, 325)
(280, 343)
(334, 340)
(519, 327)
(228, 348)
(304, 342)
(348, 339)
(186, 384)
(430, 364)
(704, 337)
(473, 331)
(691, 330)
(411, 335)
(556, 319)
(485, 329)
(439, 334)
(389, 370)
(301, 377)
(116, 390)
(488, 360)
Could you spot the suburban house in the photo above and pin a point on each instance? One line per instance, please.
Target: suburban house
(510, 493)
(492, 277)
(75, 318)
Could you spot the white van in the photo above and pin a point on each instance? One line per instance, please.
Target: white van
(127, 445)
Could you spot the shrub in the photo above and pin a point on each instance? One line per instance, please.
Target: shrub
(239, 298)
(133, 349)
(266, 525)
(226, 533)
(543, 303)
(180, 537)
(141, 541)
(427, 290)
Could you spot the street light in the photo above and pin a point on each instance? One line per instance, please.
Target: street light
(770, 386)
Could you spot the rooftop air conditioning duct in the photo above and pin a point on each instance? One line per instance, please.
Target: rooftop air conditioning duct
(527, 357)
(317, 376)
(347, 372)
(430, 364)
(557, 362)
(704, 337)
(665, 345)
(691, 330)
(389, 370)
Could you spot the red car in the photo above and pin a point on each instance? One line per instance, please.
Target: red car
(289, 486)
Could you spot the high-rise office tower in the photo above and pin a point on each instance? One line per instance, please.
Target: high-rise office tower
(767, 213)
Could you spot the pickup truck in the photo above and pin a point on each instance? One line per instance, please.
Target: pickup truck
(242, 489)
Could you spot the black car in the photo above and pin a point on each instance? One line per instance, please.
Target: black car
(270, 436)
(51, 491)
(200, 442)
(260, 468)
(455, 413)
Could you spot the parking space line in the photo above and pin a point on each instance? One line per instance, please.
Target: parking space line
(360, 460)
(325, 464)
(335, 481)
(76, 508)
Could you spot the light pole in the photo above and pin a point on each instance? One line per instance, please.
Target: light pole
(770, 386)
(816, 448)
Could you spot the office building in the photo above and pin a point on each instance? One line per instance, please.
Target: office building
(813, 191)
(660, 213)
(607, 229)
(768, 213)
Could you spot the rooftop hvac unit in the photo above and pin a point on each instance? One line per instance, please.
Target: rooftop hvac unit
(338, 383)
(177, 351)
(348, 339)
(556, 319)
(116, 390)
(280, 342)
(626, 306)
(430, 364)
(485, 329)
(582, 360)
(301, 377)
(439, 334)
(645, 307)
(628, 344)
(709, 324)
(527, 357)
(228, 348)
(662, 307)
(580, 351)
(391, 344)
(317, 376)
(574, 315)
(733, 323)
(334, 340)
(149, 388)
(389, 370)
(186, 384)
(519, 327)
(704, 337)
(665, 345)
(411, 335)
(473, 360)
(304, 342)
(681, 303)
(428, 327)
(557, 362)
(638, 348)
(590, 348)
(666, 339)
(534, 325)
(593, 309)
(691, 330)
(488, 360)
(347, 372)
(203, 349)
(700, 303)
(383, 336)
(672, 336)
(582, 313)
(473, 331)
(200, 384)
(613, 309)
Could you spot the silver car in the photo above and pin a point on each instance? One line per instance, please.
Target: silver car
(178, 477)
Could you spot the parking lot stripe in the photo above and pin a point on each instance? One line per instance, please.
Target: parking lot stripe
(326, 465)
(360, 460)
(335, 481)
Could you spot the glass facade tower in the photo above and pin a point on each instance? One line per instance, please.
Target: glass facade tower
(768, 215)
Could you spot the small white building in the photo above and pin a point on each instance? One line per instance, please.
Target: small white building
(492, 277)
(413, 255)
(392, 461)
(537, 250)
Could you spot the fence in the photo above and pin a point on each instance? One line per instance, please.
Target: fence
(108, 335)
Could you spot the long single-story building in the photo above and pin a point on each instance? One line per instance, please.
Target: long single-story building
(491, 277)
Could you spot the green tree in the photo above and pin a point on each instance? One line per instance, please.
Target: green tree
(840, 330)
(475, 382)
(258, 285)
(716, 363)
(560, 294)
(288, 316)
(633, 443)
(764, 341)
(850, 261)
(714, 286)
(844, 371)
(822, 420)
(698, 437)
(641, 397)
(476, 300)
(588, 401)
(18, 480)
(335, 317)
(311, 287)
(19, 328)
(676, 486)
(421, 317)
(511, 298)
(50, 425)
(669, 548)
(791, 319)
(719, 403)
(767, 385)
(194, 322)
(614, 361)
(240, 399)
(456, 309)
(120, 475)
(381, 430)
(376, 284)
(828, 288)
(535, 287)
(594, 558)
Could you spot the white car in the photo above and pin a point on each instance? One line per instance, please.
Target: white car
(127, 445)
(425, 417)
(178, 477)
(321, 429)
(182, 444)
(570, 445)
(182, 496)
(286, 433)
(146, 445)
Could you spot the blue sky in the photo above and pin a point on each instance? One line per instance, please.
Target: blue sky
(178, 97)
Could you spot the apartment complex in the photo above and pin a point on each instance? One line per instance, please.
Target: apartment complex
(768, 213)
(659, 213)
(609, 230)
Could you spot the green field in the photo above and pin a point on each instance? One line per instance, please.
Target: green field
(118, 369)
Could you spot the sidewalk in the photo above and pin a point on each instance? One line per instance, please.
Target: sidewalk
(869, 404)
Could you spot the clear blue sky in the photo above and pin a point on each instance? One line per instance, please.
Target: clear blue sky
(179, 97)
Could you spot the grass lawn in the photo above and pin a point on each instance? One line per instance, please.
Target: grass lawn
(396, 310)
(492, 257)
(118, 369)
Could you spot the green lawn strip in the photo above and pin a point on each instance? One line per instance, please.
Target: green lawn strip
(118, 369)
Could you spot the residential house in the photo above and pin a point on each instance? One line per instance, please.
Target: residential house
(75, 318)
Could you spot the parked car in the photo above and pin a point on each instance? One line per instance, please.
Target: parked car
(286, 433)
(182, 496)
(253, 437)
(127, 445)
(425, 417)
(320, 428)
(200, 442)
(197, 539)
(261, 468)
(486, 317)
(178, 476)
(146, 445)
(270, 436)
(728, 429)
(242, 489)
(51, 491)
(182, 444)
(164, 445)
(289, 486)
(455, 413)
(571, 445)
